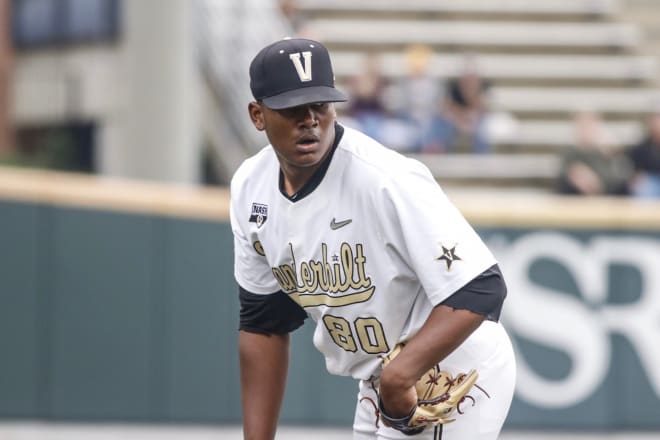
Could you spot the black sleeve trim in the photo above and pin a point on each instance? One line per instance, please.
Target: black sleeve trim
(483, 295)
(272, 313)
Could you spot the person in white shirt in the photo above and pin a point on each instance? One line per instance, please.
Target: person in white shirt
(331, 225)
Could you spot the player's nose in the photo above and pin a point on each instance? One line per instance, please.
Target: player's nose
(307, 115)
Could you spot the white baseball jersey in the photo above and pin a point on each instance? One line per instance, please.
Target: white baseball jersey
(367, 253)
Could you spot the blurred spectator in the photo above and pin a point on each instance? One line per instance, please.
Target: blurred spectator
(415, 99)
(366, 105)
(592, 166)
(290, 11)
(461, 124)
(645, 158)
(297, 20)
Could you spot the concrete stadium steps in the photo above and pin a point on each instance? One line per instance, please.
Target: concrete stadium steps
(621, 102)
(512, 67)
(469, 35)
(502, 169)
(549, 135)
(493, 8)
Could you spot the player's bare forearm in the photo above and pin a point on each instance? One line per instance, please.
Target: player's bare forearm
(444, 330)
(264, 363)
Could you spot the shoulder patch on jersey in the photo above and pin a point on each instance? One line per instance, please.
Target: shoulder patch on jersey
(259, 214)
(448, 256)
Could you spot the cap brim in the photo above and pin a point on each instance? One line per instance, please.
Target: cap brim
(305, 95)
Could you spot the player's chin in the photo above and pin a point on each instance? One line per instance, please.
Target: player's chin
(304, 160)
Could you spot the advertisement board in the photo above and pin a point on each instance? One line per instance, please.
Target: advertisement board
(584, 312)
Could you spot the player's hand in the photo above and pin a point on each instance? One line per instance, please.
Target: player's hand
(398, 397)
(397, 401)
(431, 401)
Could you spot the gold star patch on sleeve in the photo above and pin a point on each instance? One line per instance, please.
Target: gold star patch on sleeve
(448, 256)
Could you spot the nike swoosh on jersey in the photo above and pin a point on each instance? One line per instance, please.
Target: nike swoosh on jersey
(336, 225)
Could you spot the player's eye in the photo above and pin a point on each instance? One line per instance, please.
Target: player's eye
(303, 110)
(320, 106)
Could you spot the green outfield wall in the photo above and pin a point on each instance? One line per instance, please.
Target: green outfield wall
(118, 303)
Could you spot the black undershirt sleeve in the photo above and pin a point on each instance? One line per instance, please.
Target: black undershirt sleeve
(272, 313)
(483, 295)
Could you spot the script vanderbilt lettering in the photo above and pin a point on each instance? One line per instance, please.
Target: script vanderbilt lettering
(316, 279)
(363, 280)
(310, 282)
(286, 277)
(334, 301)
(321, 276)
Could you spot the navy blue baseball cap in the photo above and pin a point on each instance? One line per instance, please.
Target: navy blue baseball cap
(293, 72)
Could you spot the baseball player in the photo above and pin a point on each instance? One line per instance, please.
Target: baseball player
(404, 295)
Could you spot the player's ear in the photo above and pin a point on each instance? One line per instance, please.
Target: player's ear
(257, 115)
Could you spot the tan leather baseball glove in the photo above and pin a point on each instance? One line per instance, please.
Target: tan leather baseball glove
(438, 395)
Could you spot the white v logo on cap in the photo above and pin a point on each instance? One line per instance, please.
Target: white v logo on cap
(304, 72)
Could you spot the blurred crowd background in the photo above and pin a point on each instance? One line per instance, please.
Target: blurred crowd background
(547, 95)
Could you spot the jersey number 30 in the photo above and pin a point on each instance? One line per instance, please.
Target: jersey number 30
(369, 333)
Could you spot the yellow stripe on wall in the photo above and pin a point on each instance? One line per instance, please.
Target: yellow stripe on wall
(493, 209)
